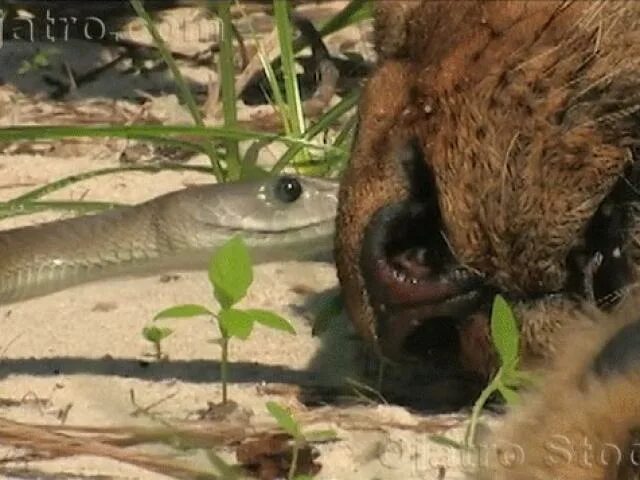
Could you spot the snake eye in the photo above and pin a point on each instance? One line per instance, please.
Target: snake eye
(288, 189)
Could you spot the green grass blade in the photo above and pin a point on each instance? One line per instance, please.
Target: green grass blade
(343, 140)
(78, 206)
(37, 132)
(346, 133)
(330, 117)
(292, 91)
(66, 181)
(278, 101)
(156, 133)
(174, 142)
(356, 11)
(181, 84)
(227, 78)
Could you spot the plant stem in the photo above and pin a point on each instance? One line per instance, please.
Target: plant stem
(223, 366)
(469, 437)
(294, 459)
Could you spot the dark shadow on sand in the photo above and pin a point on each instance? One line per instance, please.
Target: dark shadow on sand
(195, 371)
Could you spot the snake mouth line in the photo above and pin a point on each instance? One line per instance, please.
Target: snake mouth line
(263, 231)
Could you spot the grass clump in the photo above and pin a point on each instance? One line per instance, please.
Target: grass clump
(313, 146)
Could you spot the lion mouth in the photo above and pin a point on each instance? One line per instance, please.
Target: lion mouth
(427, 307)
(431, 309)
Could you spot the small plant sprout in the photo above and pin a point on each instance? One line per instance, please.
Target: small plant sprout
(300, 439)
(230, 275)
(156, 335)
(508, 378)
(506, 340)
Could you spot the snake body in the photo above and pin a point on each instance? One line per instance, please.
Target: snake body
(280, 218)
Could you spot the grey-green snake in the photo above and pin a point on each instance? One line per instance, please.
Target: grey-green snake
(280, 218)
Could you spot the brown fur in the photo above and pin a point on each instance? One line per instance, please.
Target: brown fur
(514, 115)
(563, 431)
(523, 110)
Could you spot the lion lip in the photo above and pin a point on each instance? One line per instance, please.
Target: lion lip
(395, 288)
(398, 324)
(444, 305)
(423, 300)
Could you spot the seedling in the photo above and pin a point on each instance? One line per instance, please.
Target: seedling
(506, 340)
(230, 275)
(156, 335)
(291, 426)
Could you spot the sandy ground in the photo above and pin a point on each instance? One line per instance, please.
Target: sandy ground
(82, 350)
(74, 357)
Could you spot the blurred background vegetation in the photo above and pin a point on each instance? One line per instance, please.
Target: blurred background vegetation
(239, 89)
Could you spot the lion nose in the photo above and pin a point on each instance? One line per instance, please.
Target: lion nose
(412, 276)
(406, 260)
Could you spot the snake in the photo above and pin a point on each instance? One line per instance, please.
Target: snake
(280, 218)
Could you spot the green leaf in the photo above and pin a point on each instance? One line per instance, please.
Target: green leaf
(183, 311)
(231, 272)
(509, 394)
(285, 419)
(156, 334)
(356, 11)
(504, 332)
(516, 379)
(271, 320)
(236, 323)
